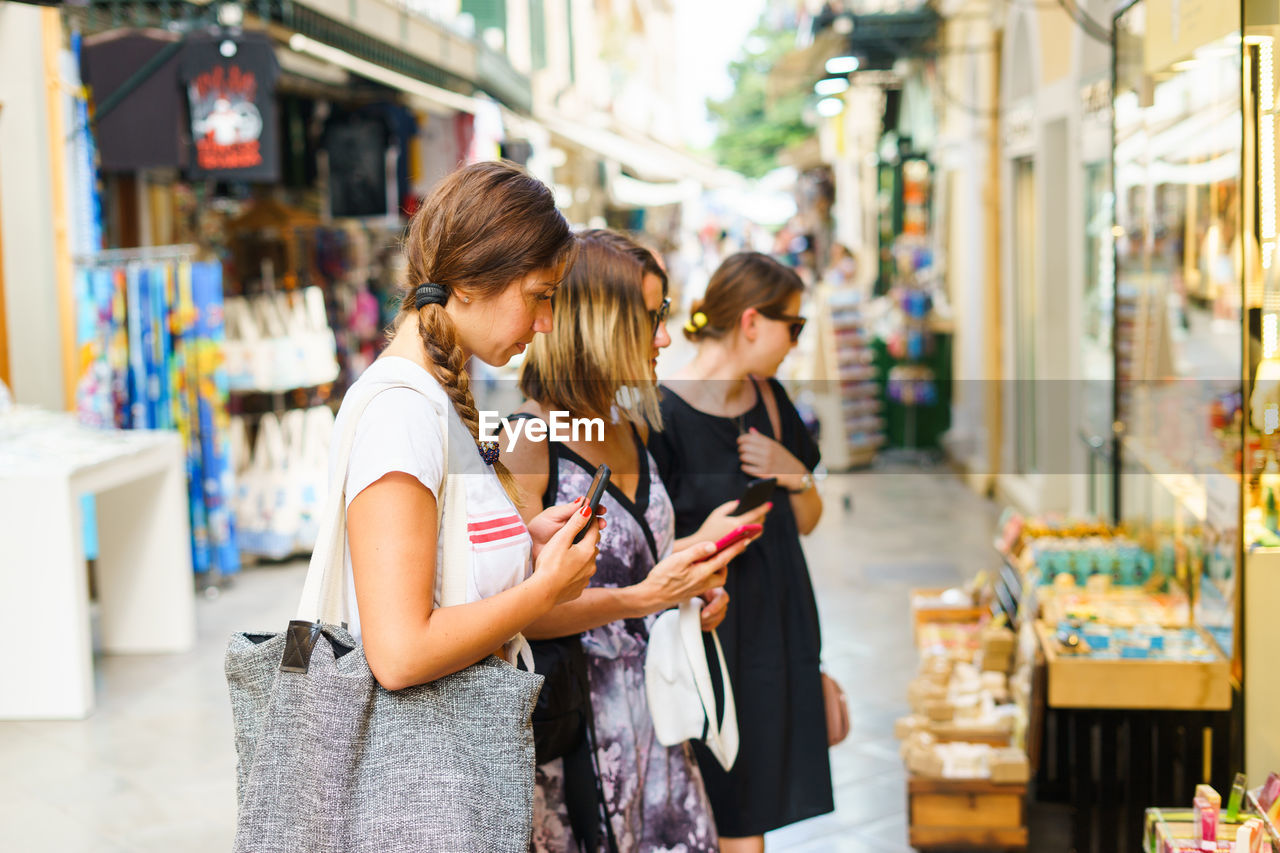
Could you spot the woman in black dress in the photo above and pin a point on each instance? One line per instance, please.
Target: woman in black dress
(726, 422)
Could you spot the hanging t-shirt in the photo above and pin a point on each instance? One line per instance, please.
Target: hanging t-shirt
(143, 129)
(233, 109)
(357, 143)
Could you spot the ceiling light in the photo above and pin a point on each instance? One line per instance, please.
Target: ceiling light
(830, 86)
(842, 64)
(830, 107)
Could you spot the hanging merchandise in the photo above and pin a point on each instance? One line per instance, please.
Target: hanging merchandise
(281, 480)
(150, 339)
(231, 85)
(357, 144)
(137, 118)
(436, 152)
(912, 385)
(279, 341)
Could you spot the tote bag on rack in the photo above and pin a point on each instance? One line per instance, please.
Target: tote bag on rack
(330, 762)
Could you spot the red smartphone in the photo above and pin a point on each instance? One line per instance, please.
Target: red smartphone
(746, 531)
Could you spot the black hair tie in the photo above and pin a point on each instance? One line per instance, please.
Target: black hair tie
(428, 293)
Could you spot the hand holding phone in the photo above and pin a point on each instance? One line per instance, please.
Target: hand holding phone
(746, 531)
(756, 493)
(596, 491)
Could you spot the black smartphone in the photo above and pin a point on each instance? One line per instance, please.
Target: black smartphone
(598, 484)
(756, 494)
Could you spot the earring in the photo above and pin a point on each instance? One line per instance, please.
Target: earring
(466, 299)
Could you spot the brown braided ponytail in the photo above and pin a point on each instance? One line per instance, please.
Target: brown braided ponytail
(482, 228)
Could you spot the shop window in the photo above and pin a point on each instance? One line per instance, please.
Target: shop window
(1188, 268)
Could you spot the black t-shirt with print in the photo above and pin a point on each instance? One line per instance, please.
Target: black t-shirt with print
(234, 129)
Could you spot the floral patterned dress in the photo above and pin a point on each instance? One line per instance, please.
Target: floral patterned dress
(654, 794)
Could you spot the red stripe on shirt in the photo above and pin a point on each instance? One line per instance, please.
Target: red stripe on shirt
(505, 521)
(496, 535)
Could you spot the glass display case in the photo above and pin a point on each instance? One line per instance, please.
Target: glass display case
(1183, 249)
(1197, 324)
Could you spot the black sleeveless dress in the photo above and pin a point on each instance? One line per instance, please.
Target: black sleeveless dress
(770, 634)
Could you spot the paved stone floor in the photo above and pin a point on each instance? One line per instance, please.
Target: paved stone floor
(153, 768)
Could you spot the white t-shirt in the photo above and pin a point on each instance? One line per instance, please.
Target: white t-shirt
(400, 431)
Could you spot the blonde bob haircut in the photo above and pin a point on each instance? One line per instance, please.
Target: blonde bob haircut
(602, 337)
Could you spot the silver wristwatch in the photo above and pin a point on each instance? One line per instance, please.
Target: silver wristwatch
(806, 483)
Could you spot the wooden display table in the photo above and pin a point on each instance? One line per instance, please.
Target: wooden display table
(145, 588)
(972, 813)
(1134, 684)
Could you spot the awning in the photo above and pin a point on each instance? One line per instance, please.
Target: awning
(646, 159)
(434, 95)
(633, 192)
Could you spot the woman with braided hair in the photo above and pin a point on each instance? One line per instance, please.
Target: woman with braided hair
(485, 254)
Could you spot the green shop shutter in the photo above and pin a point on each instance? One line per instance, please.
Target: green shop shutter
(488, 14)
(538, 34)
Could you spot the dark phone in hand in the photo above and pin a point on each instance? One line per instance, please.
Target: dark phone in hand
(756, 494)
(598, 484)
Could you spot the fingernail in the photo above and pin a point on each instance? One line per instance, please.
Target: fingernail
(585, 512)
(769, 505)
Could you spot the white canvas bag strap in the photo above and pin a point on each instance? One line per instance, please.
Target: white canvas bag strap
(722, 735)
(324, 591)
(456, 568)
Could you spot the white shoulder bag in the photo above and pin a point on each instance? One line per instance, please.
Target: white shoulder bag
(677, 683)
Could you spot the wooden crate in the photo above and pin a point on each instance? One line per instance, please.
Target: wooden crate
(926, 615)
(1160, 685)
(974, 813)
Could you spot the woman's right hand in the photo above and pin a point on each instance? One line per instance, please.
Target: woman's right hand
(564, 567)
(720, 523)
(688, 573)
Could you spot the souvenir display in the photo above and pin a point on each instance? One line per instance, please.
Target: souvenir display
(150, 338)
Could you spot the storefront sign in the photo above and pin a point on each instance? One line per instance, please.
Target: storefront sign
(1175, 28)
(233, 110)
(1095, 101)
(1019, 128)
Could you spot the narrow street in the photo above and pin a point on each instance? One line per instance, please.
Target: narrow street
(154, 768)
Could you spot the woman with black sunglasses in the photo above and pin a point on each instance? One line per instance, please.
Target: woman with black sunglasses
(726, 422)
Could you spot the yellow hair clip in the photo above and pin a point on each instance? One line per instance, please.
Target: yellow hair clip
(696, 322)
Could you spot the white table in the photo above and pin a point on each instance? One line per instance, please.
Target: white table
(145, 588)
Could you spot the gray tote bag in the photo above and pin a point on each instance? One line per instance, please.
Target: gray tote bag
(330, 762)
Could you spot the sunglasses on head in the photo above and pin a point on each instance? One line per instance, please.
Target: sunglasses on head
(795, 324)
(660, 316)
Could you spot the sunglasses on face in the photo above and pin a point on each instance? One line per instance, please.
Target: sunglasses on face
(795, 324)
(660, 316)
